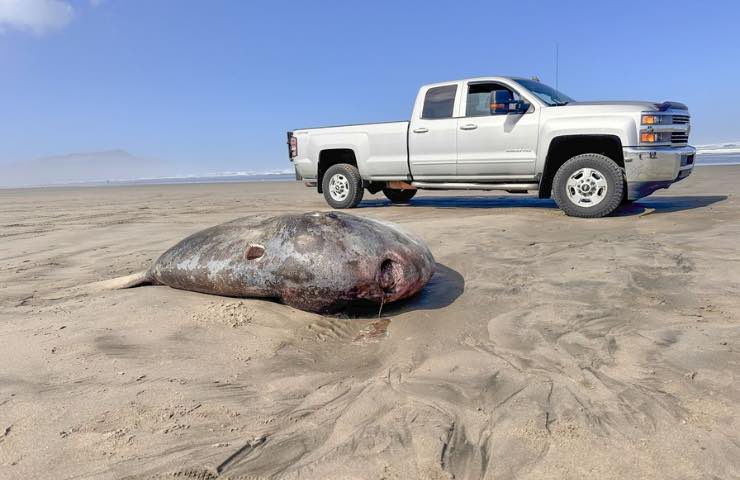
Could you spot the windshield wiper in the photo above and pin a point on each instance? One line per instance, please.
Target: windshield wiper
(560, 104)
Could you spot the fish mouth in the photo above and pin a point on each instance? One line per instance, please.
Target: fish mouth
(400, 276)
(390, 274)
(393, 279)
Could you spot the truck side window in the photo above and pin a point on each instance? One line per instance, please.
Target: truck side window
(477, 99)
(439, 102)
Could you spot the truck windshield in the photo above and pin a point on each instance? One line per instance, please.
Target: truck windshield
(545, 93)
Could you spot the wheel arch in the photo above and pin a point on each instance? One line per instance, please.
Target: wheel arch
(564, 147)
(333, 156)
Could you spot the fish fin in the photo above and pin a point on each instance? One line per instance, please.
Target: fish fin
(128, 281)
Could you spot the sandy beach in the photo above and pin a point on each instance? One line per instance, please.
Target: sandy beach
(545, 346)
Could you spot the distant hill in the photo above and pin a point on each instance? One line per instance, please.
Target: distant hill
(108, 165)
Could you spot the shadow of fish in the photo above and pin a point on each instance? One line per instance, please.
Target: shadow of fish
(319, 262)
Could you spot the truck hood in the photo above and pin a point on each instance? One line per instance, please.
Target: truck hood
(631, 105)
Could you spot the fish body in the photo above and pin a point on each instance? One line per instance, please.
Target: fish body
(317, 261)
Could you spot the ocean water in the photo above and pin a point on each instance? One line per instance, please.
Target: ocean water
(270, 177)
(718, 159)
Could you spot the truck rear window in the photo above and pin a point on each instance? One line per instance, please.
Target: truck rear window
(439, 102)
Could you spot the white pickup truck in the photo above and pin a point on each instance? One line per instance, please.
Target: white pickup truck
(503, 133)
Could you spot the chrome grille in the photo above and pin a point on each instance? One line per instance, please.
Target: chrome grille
(680, 119)
(679, 137)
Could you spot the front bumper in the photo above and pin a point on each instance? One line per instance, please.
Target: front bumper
(648, 169)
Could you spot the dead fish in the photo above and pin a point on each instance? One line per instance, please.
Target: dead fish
(319, 262)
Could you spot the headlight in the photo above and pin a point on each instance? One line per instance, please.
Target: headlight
(652, 119)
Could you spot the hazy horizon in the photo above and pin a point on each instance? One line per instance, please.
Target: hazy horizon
(119, 167)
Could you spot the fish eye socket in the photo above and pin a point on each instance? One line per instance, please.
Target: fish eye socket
(254, 251)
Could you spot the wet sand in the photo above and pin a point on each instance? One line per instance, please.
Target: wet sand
(545, 347)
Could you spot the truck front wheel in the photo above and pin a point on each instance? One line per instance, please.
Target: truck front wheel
(399, 196)
(588, 186)
(342, 186)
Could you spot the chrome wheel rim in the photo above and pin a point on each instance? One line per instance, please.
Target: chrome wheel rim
(587, 187)
(339, 187)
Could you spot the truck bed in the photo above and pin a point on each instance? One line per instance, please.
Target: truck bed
(381, 149)
(351, 125)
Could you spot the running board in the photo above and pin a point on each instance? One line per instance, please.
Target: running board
(476, 186)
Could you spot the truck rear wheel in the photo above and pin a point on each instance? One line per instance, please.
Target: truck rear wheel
(342, 186)
(589, 186)
(399, 196)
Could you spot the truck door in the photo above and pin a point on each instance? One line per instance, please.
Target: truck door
(491, 145)
(433, 134)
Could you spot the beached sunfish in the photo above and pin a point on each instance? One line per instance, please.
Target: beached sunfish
(320, 262)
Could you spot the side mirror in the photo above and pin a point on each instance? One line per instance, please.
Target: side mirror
(502, 102)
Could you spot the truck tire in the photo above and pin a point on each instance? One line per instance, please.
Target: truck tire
(399, 196)
(342, 186)
(589, 186)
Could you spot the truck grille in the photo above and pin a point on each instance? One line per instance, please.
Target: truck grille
(679, 137)
(680, 119)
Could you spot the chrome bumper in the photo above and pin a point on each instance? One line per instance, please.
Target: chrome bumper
(651, 168)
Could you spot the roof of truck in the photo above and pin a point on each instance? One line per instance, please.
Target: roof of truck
(477, 79)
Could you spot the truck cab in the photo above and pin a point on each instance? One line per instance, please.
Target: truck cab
(503, 133)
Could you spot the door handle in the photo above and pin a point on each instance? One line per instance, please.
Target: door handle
(421, 130)
(469, 126)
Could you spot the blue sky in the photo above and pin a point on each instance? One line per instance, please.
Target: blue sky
(213, 85)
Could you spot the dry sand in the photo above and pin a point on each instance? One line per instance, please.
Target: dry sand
(546, 347)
